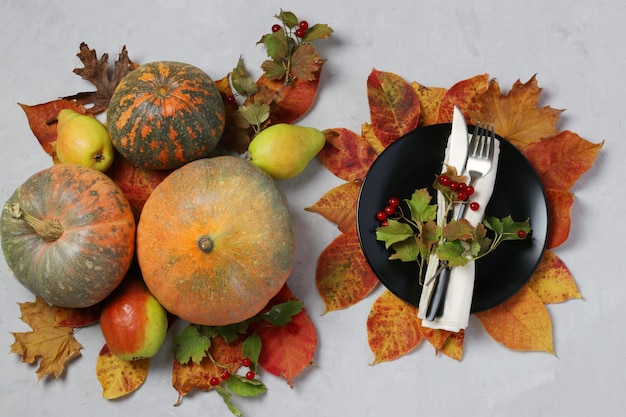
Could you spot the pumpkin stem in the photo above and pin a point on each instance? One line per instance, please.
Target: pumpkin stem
(48, 230)
(205, 244)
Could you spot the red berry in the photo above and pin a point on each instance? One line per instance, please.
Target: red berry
(469, 190)
(225, 375)
(454, 185)
(474, 205)
(385, 223)
(214, 381)
(381, 216)
(231, 100)
(521, 234)
(246, 362)
(275, 28)
(461, 195)
(462, 186)
(445, 180)
(389, 210)
(394, 202)
(304, 25)
(300, 32)
(250, 375)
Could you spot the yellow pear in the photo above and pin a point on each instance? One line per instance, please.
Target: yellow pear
(83, 140)
(284, 150)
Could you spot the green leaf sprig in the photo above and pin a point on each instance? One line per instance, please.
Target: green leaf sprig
(414, 236)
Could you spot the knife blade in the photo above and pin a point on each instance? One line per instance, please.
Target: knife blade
(456, 156)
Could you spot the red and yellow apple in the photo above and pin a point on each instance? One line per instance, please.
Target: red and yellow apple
(133, 322)
(84, 140)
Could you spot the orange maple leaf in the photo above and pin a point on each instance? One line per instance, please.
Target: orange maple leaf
(520, 323)
(339, 205)
(515, 115)
(393, 329)
(53, 346)
(343, 277)
(118, 377)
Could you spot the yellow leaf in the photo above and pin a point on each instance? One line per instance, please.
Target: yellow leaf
(430, 99)
(453, 346)
(367, 133)
(552, 281)
(54, 346)
(393, 329)
(339, 205)
(118, 377)
(520, 323)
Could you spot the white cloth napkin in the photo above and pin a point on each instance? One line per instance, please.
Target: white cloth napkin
(458, 299)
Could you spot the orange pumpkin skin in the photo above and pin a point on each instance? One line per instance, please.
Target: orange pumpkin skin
(216, 241)
(89, 259)
(164, 114)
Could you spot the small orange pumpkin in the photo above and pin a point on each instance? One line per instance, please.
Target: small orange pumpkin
(215, 241)
(68, 235)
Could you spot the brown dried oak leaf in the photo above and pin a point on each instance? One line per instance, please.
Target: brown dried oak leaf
(96, 72)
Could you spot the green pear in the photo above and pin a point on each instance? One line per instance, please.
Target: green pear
(284, 150)
(83, 140)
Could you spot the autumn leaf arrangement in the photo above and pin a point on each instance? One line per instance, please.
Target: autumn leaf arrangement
(281, 339)
(397, 107)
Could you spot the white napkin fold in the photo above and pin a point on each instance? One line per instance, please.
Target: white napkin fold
(458, 299)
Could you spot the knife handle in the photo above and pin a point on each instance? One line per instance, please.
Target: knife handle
(435, 308)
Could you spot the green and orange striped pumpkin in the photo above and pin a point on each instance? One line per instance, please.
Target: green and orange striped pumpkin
(165, 114)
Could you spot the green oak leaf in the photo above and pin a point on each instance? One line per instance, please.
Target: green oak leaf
(191, 344)
(421, 209)
(395, 231)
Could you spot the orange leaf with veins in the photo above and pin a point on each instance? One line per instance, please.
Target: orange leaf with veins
(515, 115)
(118, 377)
(339, 205)
(552, 281)
(346, 154)
(559, 220)
(453, 346)
(462, 95)
(53, 346)
(430, 99)
(343, 277)
(393, 329)
(394, 106)
(520, 323)
(561, 159)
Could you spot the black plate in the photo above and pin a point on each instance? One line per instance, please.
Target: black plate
(411, 163)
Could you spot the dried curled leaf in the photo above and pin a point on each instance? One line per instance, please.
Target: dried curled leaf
(117, 377)
(53, 346)
(96, 71)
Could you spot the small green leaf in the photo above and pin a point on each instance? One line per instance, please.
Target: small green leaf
(454, 252)
(251, 349)
(244, 387)
(241, 81)
(273, 70)
(227, 397)
(317, 31)
(231, 332)
(305, 62)
(460, 229)
(276, 45)
(394, 232)
(421, 209)
(288, 18)
(510, 228)
(255, 113)
(493, 223)
(281, 314)
(405, 251)
(191, 344)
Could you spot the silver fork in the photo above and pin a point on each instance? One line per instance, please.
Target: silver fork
(479, 162)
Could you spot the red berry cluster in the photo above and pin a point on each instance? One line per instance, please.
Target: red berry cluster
(225, 375)
(247, 363)
(463, 191)
(389, 210)
(303, 26)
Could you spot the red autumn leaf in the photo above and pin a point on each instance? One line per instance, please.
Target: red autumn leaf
(136, 183)
(430, 99)
(346, 154)
(520, 323)
(552, 281)
(297, 98)
(559, 206)
(76, 317)
(339, 205)
(561, 159)
(118, 377)
(461, 94)
(394, 106)
(515, 115)
(393, 329)
(343, 277)
(42, 121)
(287, 350)
(222, 357)
(368, 134)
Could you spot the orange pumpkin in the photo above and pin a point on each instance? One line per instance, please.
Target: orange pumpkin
(216, 241)
(68, 235)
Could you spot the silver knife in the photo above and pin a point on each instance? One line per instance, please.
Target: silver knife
(458, 141)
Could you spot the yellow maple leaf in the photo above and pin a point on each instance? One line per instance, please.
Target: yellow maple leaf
(53, 346)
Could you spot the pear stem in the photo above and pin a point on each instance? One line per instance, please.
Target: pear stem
(48, 230)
